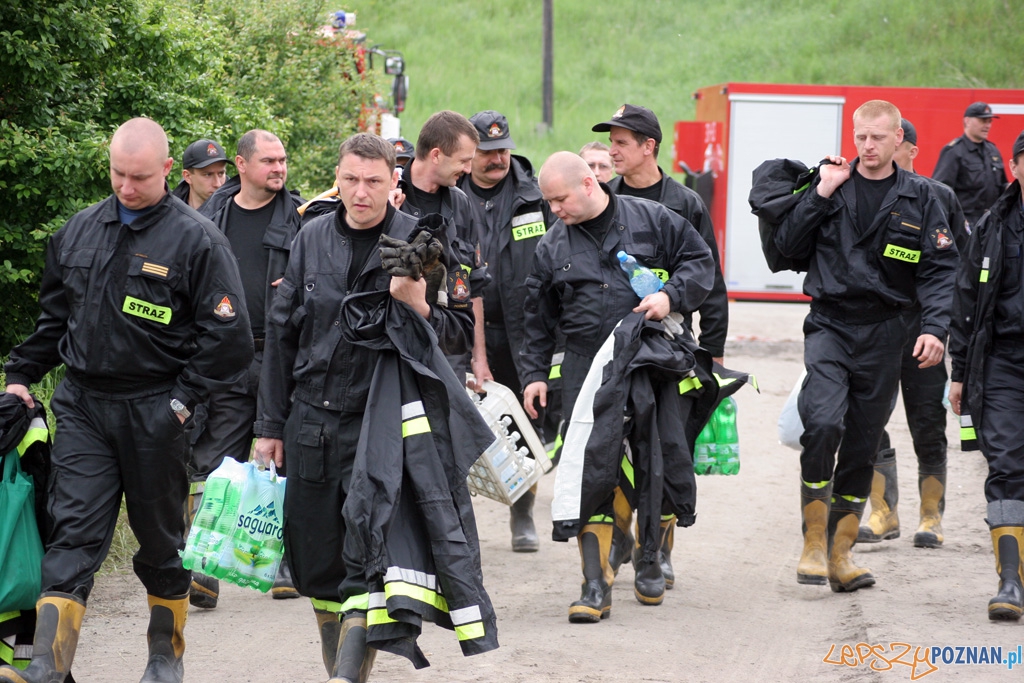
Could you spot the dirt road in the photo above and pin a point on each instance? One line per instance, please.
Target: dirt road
(736, 612)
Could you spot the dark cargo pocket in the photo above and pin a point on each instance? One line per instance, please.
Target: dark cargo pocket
(311, 451)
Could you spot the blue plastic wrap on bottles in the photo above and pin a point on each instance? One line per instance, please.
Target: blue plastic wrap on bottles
(238, 532)
(641, 278)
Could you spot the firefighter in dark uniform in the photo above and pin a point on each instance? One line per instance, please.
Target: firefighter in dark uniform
(879, 244)
(923, 390)
(972, 165)
(577, 286)
(204, 171)
(314, 384)
(635, 137)
(142, 302)
(986, 343)
(259, 216)
(512, 217)
(444, 153)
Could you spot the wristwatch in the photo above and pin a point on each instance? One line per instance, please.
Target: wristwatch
(180, 409)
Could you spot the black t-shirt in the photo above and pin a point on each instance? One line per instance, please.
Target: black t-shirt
(870, 195)
(245, 229)
(652, 192)
(596, 228)
(426, 202)
(363, 243)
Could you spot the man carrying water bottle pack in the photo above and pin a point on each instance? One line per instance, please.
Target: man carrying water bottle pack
(577, 285)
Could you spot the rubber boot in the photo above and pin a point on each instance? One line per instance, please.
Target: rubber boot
(58, 623)
(668, 534)
(843, 522)
(933, 504)
(166, 639)
(329, 624)
(283, 588)
(595, 601)
(1008, 603)
(814, 503)
(353, 659)
(648, 579)
(524, 533)
(884, 523)
(622, 533)
(205, 590)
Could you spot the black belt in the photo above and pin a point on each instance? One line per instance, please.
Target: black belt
(258, 342)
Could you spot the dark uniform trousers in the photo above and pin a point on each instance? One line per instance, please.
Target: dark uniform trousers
(320, 449)
(225, 424)
(112, 444)
(1002, 421)
(852, 375)
(923, 389)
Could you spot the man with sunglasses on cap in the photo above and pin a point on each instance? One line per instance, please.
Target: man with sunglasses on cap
(204, 170)
(972, 165)
(635, 137)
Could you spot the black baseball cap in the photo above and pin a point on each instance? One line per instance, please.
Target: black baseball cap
(493, 129)
(403, 148)
(909, 132)
(202, 153)
(1018, 146)
(638, 119)
(980, 110)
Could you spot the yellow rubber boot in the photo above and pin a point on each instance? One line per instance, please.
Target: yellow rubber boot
(933, 504)
(843, 523)
(595, 601)
(166, 636)
(58, 623)
(884, 522)
(622, 535)
(814, 503)
(354, 659)
(1008, 603)
(328, 624)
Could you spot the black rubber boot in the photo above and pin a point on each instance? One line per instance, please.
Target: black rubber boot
(814, 503)
(595, 601)
(329, 624)
(524, 533)
(283, 588)
(622, 534)
(354, 659)
(205, 590)
(933, 503)
(884, 522)
(1008, 603)
(668, 533)
(843, 523)
(648, 582)
(166, 640)
(58, 623)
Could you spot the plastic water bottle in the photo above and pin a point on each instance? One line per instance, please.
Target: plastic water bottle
(704, 450)
(727, 440)
(641, 278)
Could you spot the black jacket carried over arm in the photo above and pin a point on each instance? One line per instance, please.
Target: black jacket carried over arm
(408, 508)
(582, 289)
(714, 311)
(306, 353)
(155, 303)
(907, 255)
(974, 303)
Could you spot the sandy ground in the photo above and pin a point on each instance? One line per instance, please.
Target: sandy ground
(736, 612)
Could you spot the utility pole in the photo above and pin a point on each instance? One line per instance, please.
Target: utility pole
(548, 85)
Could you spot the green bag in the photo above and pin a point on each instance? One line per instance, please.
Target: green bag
(21, 549)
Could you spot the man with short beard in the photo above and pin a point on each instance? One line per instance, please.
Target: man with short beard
(511, 216)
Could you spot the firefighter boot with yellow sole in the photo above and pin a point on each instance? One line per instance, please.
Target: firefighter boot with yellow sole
(884, 523)
(933, 504)
(166, 636)
(814, 504)
(843, 523)
(595, 601)
(1008, 603)
(58, 623)
(354, 658)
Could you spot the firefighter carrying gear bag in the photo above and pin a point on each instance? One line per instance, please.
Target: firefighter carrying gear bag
(238, 532)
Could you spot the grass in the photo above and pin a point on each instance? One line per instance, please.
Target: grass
(470, 55)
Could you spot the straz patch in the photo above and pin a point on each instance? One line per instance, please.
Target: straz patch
(528, 225)
(941, 238)
(458, 287)
(901, 253)
(146, 310)
(224, 310)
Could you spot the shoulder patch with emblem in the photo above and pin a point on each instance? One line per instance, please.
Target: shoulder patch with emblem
(458, 287)
(224, 310)
(941, 238)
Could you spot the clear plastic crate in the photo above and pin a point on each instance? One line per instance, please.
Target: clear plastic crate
(506, 470)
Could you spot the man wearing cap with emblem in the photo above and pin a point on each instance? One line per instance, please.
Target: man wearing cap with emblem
(259, 216)
(923, 391)
(204, 167)
(635, 137)
(972, 165)
(986, 343)
(511, 216)
(141, 301)
(404, 151)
